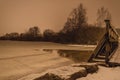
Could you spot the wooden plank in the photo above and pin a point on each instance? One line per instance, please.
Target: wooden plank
(116, 57)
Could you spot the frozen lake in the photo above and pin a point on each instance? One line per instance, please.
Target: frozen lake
(9, 49)
(19, 58)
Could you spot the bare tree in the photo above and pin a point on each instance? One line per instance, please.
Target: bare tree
(77, 18)
(34, 31)
(102, 14)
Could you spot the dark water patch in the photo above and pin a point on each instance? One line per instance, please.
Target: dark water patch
(76, 56)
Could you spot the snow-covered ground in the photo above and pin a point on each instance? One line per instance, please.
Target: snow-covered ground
(14, 68)
(104, 73)
(19, 59)
(82, 45)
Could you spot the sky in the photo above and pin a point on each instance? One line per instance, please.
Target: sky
(19, 15)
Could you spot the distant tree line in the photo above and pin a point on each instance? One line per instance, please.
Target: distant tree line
(87, 35)
(75, 31)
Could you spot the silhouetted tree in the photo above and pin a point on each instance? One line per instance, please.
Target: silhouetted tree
(33, 34)
(90, 34)
(76, 19)
(11, 36)
(49, 35)
(102, 14)
(33, 31)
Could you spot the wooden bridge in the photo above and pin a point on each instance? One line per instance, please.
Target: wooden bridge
(108, 49)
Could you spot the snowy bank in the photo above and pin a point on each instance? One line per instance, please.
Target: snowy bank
(71, 72)
(104, 73)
